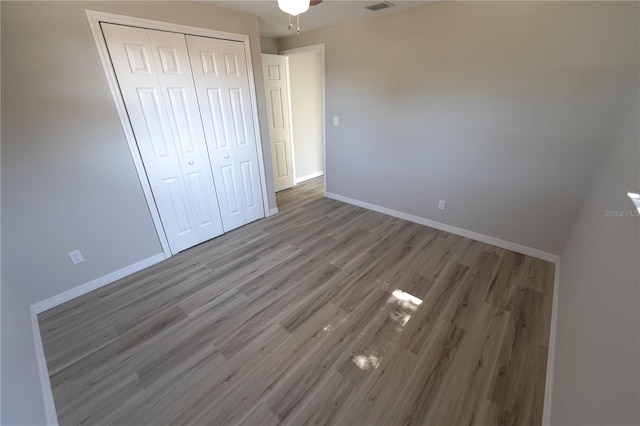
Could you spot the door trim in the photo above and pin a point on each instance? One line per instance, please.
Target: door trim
(311, 49)
(95, 18)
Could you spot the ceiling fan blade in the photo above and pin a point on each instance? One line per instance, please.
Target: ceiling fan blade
(315, 2)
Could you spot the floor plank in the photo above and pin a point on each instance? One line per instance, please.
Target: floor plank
(326, 313)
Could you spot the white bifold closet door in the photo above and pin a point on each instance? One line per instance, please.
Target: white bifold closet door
(155, 75)
(222, 85)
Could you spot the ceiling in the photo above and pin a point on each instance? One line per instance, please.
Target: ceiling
(273, 22)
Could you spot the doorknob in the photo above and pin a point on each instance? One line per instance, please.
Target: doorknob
(226, 157)
(191, 162)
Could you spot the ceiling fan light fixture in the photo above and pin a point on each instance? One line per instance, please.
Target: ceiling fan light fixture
(293, 7)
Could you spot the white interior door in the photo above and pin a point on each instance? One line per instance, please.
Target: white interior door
(155, 79)
(277, 93)
(222, 86)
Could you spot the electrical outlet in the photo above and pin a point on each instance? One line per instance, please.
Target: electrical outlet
(76, 257)
(441, 204)
(336, 121)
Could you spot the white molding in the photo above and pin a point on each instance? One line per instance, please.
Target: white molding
(309, 176)
(518, 248)
(292, 137)
(548, 387)
(256, 123)
(85, 288)
(273, 211)
(324, 121)
(95, 18)
(43, 371)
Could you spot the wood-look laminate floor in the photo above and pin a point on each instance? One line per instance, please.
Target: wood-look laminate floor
(323, 314)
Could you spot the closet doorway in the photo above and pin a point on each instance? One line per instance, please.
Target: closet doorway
(187, 103)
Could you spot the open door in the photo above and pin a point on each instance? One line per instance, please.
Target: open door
(277, 94)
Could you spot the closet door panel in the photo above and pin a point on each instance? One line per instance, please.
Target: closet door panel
(236, 84)
(176, 80)
(208, 68)
(222, 87)
(133, 62)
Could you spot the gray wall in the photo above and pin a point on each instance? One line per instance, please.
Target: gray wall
(269, 45)
(68, 180)
(305, 75)
(597, 357)
(500, 108)
(22, 402)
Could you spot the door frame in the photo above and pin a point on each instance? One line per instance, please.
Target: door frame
(95, 18)
(312, 49)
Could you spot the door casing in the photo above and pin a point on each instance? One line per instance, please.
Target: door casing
(320, 49)
(95, 18)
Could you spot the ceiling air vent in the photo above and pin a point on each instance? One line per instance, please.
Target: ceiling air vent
(379, 6)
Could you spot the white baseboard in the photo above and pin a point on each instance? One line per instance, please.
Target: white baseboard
(307, 177)
(518, 248)
(85, 288)
(273, 211)
(47, 394)
(549, 257)
(548, 387)
(36, 308)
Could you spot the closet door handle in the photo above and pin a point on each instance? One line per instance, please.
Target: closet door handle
(226, 157)
(191, 162)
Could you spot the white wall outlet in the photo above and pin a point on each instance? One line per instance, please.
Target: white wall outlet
(336, 121)
(441, 204)
(76, 257)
